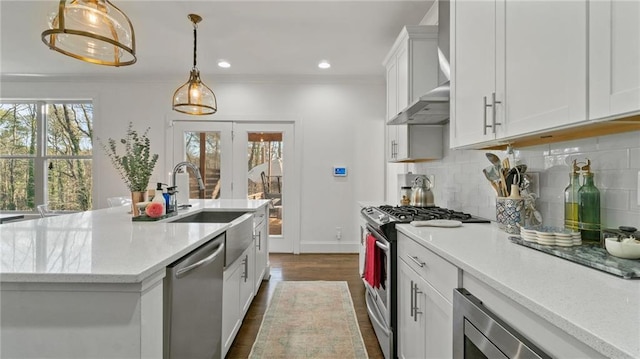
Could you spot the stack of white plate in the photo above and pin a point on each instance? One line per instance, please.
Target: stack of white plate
(551, 236)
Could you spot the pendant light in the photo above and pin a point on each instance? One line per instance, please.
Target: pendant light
(94, 31)
(194, 97)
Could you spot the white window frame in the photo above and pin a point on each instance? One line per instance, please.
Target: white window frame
(40, 158)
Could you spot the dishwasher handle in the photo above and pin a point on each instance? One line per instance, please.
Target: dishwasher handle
(182, 272)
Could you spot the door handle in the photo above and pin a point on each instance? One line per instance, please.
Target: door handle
(182, 272)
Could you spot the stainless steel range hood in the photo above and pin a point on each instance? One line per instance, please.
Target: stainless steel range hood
(432, 107)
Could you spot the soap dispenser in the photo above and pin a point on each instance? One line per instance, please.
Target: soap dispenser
(571, 200)
(159, 198)
(589, 209)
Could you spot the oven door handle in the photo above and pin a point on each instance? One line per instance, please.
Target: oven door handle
(375, 317)
(382, 246)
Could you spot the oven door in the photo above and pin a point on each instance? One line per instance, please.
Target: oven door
(378, 300)
(382, 294)
(478, 333)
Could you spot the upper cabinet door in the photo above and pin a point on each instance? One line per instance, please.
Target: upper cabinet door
(545, 65)
(614, 58)
(473, 50)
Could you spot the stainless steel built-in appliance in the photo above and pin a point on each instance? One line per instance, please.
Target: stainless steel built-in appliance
(479, 333)
(381, 301)
(193, 303)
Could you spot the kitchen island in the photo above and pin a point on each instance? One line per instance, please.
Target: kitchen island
(561, 306)
(90, 284)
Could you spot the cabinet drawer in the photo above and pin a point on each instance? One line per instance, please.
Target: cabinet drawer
(442, 275)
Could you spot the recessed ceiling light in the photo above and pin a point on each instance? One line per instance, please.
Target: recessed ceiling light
(224, 64)
(324, 64)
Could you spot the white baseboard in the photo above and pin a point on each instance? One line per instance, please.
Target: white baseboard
(329, 247)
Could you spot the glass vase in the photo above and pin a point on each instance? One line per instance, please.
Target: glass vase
(137, 197)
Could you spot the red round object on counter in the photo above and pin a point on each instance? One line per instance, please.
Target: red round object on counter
(154, 210)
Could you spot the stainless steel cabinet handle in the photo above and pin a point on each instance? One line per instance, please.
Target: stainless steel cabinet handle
(416, 260)
(493, 103)
(415, 301)
(246, 268)
(182, 272)
(411, 298)
(259, 244)
(484, 109)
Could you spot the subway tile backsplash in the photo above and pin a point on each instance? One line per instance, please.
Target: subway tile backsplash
(615, 161)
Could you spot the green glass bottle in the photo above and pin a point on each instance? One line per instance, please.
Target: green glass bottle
(571, 200)
(589, 213)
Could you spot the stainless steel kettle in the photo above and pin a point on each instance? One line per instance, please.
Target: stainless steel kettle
(421, 195)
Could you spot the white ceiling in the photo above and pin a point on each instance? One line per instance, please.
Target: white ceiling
(273, 38)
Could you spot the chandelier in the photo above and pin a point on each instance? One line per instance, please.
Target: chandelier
(194, 97)
(94, 31)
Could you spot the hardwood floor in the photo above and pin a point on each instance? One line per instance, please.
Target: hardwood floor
(290, 267)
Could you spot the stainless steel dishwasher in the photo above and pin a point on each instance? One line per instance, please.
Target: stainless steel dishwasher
(193, 303)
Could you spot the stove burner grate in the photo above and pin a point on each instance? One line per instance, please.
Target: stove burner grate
(413, 213)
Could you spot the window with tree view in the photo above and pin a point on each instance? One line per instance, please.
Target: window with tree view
(46, 155)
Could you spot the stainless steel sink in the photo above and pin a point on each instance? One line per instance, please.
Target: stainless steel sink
(239, 235)
(209, 217)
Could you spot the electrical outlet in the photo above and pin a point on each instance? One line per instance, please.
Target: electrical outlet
(638, 183)
(338, 233)
(432, 179)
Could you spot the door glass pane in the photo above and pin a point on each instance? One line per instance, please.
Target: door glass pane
(265, 176)
(203, 150)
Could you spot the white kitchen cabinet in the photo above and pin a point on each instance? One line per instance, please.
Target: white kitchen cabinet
(411, 71)
(519, 67)
(261, 243)
(416, 142)
(238, 292)
(425, 310)
(614, 58)
(247, 279)
(474, 59)
(231, 317)
(412, 67)
(424, 318)
(411, 324)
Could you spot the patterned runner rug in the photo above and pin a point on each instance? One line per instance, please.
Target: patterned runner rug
(312, 319)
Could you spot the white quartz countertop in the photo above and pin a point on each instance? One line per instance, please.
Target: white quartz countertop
(599, 309)
(104, 246)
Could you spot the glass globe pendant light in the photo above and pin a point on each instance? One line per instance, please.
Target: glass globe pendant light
(194, 97)
(94, 31)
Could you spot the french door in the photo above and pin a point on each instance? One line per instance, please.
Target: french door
(264, 168)
(245, 160)
(208, 146)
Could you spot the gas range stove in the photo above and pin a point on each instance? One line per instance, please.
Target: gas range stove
(404, 214)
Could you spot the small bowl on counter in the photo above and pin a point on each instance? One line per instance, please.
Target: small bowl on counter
(628, 248)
